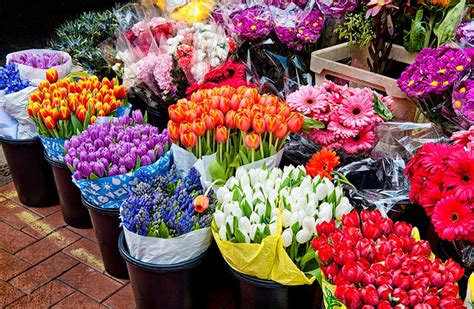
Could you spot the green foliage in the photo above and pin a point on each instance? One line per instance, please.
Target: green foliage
(81, 37)
(356, 29)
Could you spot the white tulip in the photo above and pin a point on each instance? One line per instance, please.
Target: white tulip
(221, 192)
(231, 183)
(230, 220)
(253, 175)
(294, 218)
(240, 172)
(260, 209)
(226, 208)
(321, 191)
(306, 184)
(330, 185)
(247, 238)
(287, 237)
(255, 218)
(244, 181)
(227, 197)
(343, 208)
(276, 173)
(253, 231)
(262, 175)
(235, 210)
(219, 217)
(273, 228)
(258, 196)
(312, 205)
(222, 233)
(309, 224)
(274, 212)
(339, 192)
(303, 236)
(244, 225)
(301, 216)
(286, 218)
(248, 192)
(325, 212)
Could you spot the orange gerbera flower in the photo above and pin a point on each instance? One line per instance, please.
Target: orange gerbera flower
(443, 3)
(322, 163)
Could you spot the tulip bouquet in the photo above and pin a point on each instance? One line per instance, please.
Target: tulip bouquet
(106, 156)
(375, 263)
(162, 224)
(62, 108)
(429, 83)
(442, 181)
(275, 212)
(347, 116)
(229, 127)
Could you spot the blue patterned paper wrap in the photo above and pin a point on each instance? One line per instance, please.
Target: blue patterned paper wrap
(54, 148)
(109, 192)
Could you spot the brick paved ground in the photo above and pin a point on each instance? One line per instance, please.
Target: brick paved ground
(44, 263)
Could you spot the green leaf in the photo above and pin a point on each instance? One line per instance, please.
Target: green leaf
(93, 177)
(295, 228)
(308, 256)
(268, 210)
(163, 231)
(77, 126)
(415, 39)
(310, 123)
(244, 158)
(137, 163)
(87, 119)
(446, 29)
(267, 231)
(236, 162)
(239, 236)
(228, 231)
(235, 223)
(216, 170)
(145, 118)
(381, 109)
(246, 208)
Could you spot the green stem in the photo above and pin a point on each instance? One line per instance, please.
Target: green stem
(261, 151)
(253, 155)
(430, 28)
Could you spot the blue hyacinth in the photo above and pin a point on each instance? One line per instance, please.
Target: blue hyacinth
(162, 206)
(10, 80)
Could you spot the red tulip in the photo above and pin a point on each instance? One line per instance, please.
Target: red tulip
(222, 134)
(330, 271)
(401, 280)
(414, 297)
(421, 248)
(455, 269)
(369, 295)
(384, 304)
(120, 92)
(173, 130)
(431, 300)
(369, 277)
(353, 272)
(201, 203)
(52, 75)
(188, 138)
(50, 123)
(351, 219)
(64, 113)
(199, 127)
(252, 140)
(258, 125)
(295, 122)
(272, 123)
(352, 297)
(371, 230)
(326, 228)
(373, 216)
(281, 131)
(387, 226)
(384, 291)
(242, 122)
(325, 253)
(402, 229)
(401, 295)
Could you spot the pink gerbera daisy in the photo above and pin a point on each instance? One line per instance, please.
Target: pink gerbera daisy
(322, 137)
(460, 174)
(339, 129)
(362, 141)
(305, 100)
(452, 219)
(464, 138)
(356, 111)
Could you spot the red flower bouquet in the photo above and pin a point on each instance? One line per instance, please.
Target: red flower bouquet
(376, 263)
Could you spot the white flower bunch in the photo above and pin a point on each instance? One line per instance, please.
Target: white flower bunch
(248, 205)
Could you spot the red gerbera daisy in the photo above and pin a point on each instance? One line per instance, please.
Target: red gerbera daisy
(460, 174)
(434, 157)
(452, 219)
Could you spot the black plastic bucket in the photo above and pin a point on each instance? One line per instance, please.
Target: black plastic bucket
(106, 223)
(31, 173)
(74, 213)
(162, 286)
(158, 116)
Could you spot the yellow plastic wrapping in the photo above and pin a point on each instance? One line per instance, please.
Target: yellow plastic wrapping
(469, 302)
(193, 12)
(268, 260)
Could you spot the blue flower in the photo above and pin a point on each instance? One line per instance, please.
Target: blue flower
(10, 80)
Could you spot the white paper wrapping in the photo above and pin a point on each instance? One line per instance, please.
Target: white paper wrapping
(171, 250)
(14, 105)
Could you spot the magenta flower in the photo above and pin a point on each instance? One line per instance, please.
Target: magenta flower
(253, 23)
(337, 9)
(463, 99)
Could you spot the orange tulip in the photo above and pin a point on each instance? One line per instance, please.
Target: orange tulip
(184, 127)
(64, 113)
(235, 102)
(214, 102)
(209, 121)
(201, 202)
(50, 123)
(54, 114)
(120, 92)
(29, 110)
(295, 122)
(258, 125)
(43, 85)
(252, 140)
(81, 113)
(242, 122)
(281, 130)
(217, 116)
(199, 127)
(224, 105)
(197, 96)
(230, 119)
(106, 82)
(35, 96)
(284, 110)
(222, 134)
(188, 138)
(272, 123)
(52, 75)
(43, 112)
(101, 113)
(106, 108)
(93, 119)
(173, 130)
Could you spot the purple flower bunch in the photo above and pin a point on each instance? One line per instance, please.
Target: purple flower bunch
(434, 72)
(253, 23)
(304, 28)
(115, 148)
(39, 61)
(465, 32)
(337, 9)
(10, 80)
(463, 99)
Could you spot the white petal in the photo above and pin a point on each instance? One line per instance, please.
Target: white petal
(244, 225)
(219, 217)
(303, 236)
(222, 233)
(287, 237)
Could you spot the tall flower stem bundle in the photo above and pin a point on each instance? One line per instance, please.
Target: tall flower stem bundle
(237, 124)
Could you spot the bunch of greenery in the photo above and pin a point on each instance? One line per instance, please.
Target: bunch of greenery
(356, 28)
(82, 36)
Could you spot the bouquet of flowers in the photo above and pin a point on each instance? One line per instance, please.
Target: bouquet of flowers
(463, 97)
(374, 262)
(62, 108)
(346, 118)
(106, 156)
(336, 9)
(14, 94)
(465, 33)
(162, 223)
(33, 63)
(272, 215)
(429, 83)
(224, 128)
(442, 181)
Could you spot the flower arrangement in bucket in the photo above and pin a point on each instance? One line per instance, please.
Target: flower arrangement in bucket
(221, 129)
(369, 261)
(342, 117)
(265, 220)
(105, 158)
(65, 107)
(163, 222)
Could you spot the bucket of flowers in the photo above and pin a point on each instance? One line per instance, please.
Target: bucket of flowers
(264, 222)
(371, 261)
(166, 234)
(104, 160)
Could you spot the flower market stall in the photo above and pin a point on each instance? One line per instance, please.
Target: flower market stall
(286, 154)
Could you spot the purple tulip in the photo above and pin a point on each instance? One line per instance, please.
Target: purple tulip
(122, 170)
(113, 170)
(129, 161)
(99, 169)
(137, 116)
(85, 169)
(77, 175)
(145, 160)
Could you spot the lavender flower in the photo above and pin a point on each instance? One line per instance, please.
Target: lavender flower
(10, 80)
(162, 206)
(115, 148)
(337, 9)
(253, 23)
(40, 61)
